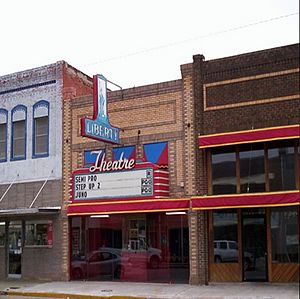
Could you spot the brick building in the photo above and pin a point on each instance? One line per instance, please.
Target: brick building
(230, 127)
(248, 115)
(31, 146)
(195, 181)
(139, 236)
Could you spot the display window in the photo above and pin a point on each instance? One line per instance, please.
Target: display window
(149, 247)
(38, 233)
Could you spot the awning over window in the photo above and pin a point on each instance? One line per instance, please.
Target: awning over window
(128, 206)
(246, 200)
(20, 212)
(258, 135)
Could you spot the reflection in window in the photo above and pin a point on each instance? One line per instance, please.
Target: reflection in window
(285, 234)
(225, 236)
(252, 169)
(150, 247)
(224, 171)
(38, 233)
(78, 238)
(281, 167)
(2, 233)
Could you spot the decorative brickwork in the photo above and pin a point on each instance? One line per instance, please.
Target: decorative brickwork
(243, 92)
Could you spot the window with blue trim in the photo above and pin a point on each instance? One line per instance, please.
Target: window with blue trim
(40, 129)
(3, 135)
(18, 144)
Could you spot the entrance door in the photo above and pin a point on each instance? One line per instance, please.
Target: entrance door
(15, 248)
(254, 245)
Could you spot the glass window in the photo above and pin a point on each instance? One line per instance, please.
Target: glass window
(38, 233)
(285, 234)
(2, 233)
(224, 171)
(41, 136)
(19, 139)
(145, 248)
(3, 141)
(233, 245)
(282, 166)
(40, 129)
(252, 168)
(225, 236)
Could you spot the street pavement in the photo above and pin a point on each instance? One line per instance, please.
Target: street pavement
(116, 290)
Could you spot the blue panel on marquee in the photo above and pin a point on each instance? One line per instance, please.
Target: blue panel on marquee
(90, 157)
(128, 152)
(156, 153)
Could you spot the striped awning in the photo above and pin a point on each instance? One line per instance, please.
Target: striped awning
(128, 206)
(256, 135)
(272, 199)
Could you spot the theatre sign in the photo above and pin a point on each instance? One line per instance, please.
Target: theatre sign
(113, 179)
(117, 179)
(99, 127)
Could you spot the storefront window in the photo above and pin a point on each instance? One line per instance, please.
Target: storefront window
(224, 171)
(281, 166)
(2, 233)
(252, 169)
(144, 247)
(38, 233)
(225, 236)
(285, 234)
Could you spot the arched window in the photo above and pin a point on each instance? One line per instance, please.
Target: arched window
(3, 135)
(18, 135)
(40, 140)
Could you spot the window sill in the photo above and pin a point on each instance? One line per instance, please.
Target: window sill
(17, 158)
(40, 156)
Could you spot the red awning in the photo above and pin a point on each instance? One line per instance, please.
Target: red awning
(128, 206)
(246, 200)
(258, 135)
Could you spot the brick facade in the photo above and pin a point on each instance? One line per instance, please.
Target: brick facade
(243, 92)
(37, 182)
(251, 91)
(160, 112)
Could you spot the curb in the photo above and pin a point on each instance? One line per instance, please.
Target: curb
(68, 296)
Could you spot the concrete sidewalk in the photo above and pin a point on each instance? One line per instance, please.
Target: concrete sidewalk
(117, 290)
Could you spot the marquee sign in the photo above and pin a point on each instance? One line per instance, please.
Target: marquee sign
(134, 183)
(122, 178)
(99, 127)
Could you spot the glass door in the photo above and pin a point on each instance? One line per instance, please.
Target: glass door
(254, 245)
(15, 248)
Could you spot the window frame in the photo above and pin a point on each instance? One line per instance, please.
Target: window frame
(237, 148)
(35, 107)
(49, 232)
(5, 113)
(14, 110)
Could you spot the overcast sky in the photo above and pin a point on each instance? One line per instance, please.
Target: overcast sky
(139, 42)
